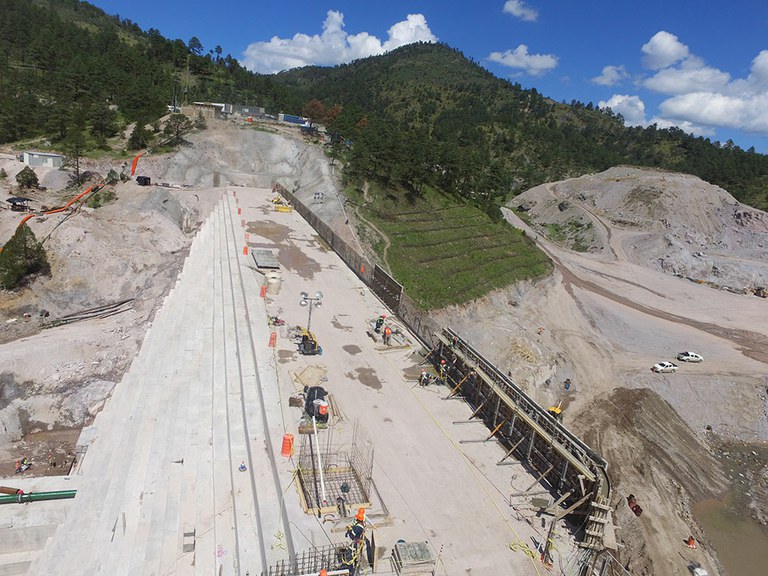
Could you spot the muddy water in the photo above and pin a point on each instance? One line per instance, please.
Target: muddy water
(740, 542)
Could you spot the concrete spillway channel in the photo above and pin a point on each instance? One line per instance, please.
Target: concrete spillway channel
(160, 485)
(573, 473)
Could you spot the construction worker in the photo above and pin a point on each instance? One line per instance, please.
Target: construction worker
(356, 531)
(423, 378)
(442, 370)
(387, 336)
(379, 323)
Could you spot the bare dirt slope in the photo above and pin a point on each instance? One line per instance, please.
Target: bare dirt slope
(601, 320)
(614, 309)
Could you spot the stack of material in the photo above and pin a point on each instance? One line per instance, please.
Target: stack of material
(413, 558)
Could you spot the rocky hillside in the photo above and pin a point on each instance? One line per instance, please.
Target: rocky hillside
(674, 223)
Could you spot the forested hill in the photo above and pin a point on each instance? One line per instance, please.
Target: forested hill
(420, 116)
(65, 64)
(424, 115)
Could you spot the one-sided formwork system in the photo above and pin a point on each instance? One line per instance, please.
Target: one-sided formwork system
(334, 478)
(562, 463)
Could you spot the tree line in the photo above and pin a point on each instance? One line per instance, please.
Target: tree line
(424, 115)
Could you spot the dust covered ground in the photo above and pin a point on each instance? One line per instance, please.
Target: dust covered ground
(636, 280)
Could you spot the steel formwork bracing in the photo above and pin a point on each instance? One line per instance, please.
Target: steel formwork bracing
(559, 460)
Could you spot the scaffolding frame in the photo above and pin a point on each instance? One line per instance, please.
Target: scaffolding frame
(346, 471)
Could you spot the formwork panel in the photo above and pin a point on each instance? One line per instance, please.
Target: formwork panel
(559, 460)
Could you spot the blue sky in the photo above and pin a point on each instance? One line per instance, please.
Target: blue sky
(698, 64)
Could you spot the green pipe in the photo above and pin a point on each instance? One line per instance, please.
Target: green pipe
(36, 496)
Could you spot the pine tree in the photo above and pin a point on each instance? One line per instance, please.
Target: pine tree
(22, 257)
(27, 178)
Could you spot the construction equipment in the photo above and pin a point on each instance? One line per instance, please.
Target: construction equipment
(556, 411)
(315, 404)
(308, 345)
(281, 205)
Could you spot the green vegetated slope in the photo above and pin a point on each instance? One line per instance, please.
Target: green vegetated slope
(448, 252)
(424, 115)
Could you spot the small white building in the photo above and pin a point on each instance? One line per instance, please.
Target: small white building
(42, 160)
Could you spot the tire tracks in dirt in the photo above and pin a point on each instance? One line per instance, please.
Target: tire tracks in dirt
(751, 344)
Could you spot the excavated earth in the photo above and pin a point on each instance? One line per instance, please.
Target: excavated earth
(647, 264)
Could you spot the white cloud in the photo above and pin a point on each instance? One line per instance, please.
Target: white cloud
(333, 45)
(533, 64)
(690, 76)
(662, 50)
(611, 75)
(413, 29)
(703, 97)
(757, 81)
(632, 108)
(746, 112)
(759, 70)
(519, 9)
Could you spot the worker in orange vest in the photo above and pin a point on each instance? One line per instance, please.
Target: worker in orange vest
(387, 336)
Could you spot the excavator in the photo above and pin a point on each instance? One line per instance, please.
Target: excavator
(93, 189)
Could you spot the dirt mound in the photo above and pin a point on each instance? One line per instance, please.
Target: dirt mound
(654, 456)
(674, 223)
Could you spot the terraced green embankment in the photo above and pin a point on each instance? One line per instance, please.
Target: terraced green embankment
(447, 253)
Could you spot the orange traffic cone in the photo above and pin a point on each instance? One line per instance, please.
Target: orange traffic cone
(691, 542)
